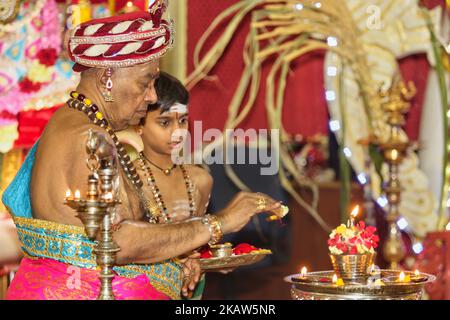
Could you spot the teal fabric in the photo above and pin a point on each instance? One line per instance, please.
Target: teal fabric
(17, 195)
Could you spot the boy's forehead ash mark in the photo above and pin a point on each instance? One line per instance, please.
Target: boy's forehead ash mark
(169, 114)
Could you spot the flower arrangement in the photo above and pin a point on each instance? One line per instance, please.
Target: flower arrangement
(40, 72)
(359, 239)
(40, 26)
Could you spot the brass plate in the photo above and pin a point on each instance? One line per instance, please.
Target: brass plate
(353, 290)
(233, 261)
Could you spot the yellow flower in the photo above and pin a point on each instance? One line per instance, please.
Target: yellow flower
(340, 282)
(349, 234)
(40, 73)
(341, 229)
(362, 248)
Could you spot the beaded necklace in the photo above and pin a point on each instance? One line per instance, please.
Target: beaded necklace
(157, 196)
(81, 103)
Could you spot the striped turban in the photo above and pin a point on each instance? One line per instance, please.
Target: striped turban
(121, 41)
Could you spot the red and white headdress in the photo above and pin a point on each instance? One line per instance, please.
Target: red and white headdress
(122, 41)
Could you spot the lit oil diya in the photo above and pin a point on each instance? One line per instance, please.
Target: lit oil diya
(371, 282)
(75, 197)
(303, 272)
(337, 281)
(374, 270)
(74, 200)
(418, 277)
(404, 278)
(303, 276)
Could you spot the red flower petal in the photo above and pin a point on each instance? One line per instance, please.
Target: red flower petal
(47, 56)
(244, 248)
(361, 225)
(371, 229)
(205, 255)
(28, 86)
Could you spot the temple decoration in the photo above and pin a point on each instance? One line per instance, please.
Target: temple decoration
(33, 76)
(362, 40)
(395, 104)
(388, 32)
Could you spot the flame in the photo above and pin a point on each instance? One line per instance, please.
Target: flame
(401, 277)
(417, 273)
(77, 194)
(304, 271)
(335, 278)
(68, 193)
(129, 4)
(355, 211)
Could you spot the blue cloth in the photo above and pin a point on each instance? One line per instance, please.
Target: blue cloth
(17, 195)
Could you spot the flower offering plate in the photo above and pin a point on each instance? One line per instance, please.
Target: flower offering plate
(234, 261)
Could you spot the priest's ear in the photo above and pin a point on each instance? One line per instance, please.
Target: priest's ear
(100, 76)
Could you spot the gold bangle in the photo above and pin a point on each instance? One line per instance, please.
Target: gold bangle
(215, 229)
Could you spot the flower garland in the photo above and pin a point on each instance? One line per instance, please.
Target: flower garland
(357, 239)
(41, 71)
(43, 55)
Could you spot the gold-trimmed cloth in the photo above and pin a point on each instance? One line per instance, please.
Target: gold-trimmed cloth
(69, 244)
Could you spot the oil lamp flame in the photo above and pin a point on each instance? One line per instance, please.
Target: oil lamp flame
(303, 271)
(335, 279)
(68, 193)
(354, 212)
(401, 277)
(417, 273)
(77, 194)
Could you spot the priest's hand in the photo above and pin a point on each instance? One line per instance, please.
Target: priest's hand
(191, 273)
(242, 207)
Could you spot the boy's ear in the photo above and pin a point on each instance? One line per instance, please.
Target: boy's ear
(139, 130)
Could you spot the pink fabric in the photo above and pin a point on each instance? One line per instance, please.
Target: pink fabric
(48, 279)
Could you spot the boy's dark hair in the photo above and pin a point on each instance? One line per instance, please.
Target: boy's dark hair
(170, 91)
